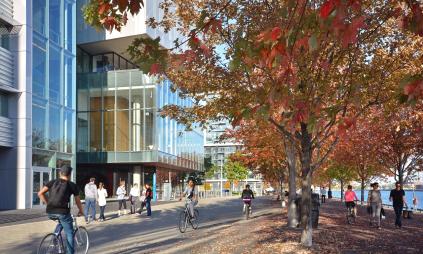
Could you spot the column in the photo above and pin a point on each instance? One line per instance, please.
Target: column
(154, 187)
(136, 177)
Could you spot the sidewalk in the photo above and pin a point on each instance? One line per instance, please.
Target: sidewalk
(269, 234)
(10, 217)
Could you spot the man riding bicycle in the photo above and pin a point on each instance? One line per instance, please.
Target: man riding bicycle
(350, 198)
(247, 195)
(58, 203)
(192, 196)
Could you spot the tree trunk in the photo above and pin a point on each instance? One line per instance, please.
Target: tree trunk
(282, 190)
(363, 185)
(400, 176)
(342, 190)
(292, 188)
(306, 177)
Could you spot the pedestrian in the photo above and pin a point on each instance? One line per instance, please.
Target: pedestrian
(397, 197)
(142, 199)
(121, 192)
(374, 200)
(134, 195)
(329, 193)
(102, 195)
(148, 197)
(90, 200)
(323, 194)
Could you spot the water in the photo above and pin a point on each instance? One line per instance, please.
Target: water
(385, 196)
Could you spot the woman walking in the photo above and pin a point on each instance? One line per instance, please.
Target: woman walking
(121, 192)
(102, 195)
(375, 202)
(134, 195)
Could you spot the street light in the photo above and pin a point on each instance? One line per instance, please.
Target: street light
(221, 179)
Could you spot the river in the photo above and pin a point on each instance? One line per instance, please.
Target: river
(385, 196)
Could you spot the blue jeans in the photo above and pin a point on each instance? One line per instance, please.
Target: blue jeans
(102, 212)
(398, 214)
(148, 206)
(89, 202)
(67, 223)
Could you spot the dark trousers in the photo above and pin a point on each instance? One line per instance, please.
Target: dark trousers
(67, 223)
(148, 206)
(122, 202)
(133, 204)
(398, 214)
(323, 198)
(102, 212)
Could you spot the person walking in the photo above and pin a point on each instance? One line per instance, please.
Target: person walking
(397, 197)
(121, 192)
(374, 200)
(148, 197)
(323, 194)
(90, 200)
(134, 195)
(102, 195)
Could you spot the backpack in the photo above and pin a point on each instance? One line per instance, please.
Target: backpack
(59, 194)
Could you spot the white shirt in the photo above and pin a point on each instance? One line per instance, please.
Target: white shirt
(121, 192)
(134, 192)
(102, 195)
(322, 191)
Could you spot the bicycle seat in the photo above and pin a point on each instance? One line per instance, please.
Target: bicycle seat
(54, 218)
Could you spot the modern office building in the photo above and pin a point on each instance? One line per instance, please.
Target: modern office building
(37, 96)
(121, 136)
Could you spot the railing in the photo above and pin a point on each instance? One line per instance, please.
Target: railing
(6, 8)
(6, 67)
(6, 132)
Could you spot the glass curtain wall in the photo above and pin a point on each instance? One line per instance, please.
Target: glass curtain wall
(54, 83)
(118, 116)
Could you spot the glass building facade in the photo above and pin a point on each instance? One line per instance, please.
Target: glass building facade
(53, 89)
(119, 127)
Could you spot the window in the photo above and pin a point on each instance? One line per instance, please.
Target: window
(54, 75)
(38, 126)
(68, 26)
(39, 12)
(69, 81)
(55, 21)
(68, 132)
(39, 71)
(55, 125)
(4, 107)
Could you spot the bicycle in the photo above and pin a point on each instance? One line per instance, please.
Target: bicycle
(185, 218)
(350, 214)
(53, 242)
(247, 208)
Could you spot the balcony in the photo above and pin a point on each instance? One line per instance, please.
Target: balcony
(7, 66)
(6, 132)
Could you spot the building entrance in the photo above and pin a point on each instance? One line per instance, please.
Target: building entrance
(40, 177)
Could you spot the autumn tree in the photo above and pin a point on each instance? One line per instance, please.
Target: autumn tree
(357, 150)
(266, 153)
(235, 171)
(400, 150)
(309, 67)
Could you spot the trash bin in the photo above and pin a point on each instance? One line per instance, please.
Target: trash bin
(314, 212)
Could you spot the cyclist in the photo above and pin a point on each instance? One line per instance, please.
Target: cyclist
(58, 202)
(192, 197)
(350, 198)
(247, 195)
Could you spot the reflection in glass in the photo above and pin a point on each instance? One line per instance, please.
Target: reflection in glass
(55, 21)
(39, 11)
(54, 125)
(122, 99)
(54, 75)
(149, 128)
(68, 133)
(82, 127)
(38, 126)
(39, 71)
(68, 81)
(137, 131)
(68, 26)
(35, 187)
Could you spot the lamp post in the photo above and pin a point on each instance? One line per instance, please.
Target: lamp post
(221, 179)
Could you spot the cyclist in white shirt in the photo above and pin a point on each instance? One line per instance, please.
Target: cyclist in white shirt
(191, 195)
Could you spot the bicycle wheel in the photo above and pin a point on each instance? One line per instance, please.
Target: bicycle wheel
(49, 245)
(195, 221)
(247, 212)
(182, 223)
(82, 241)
